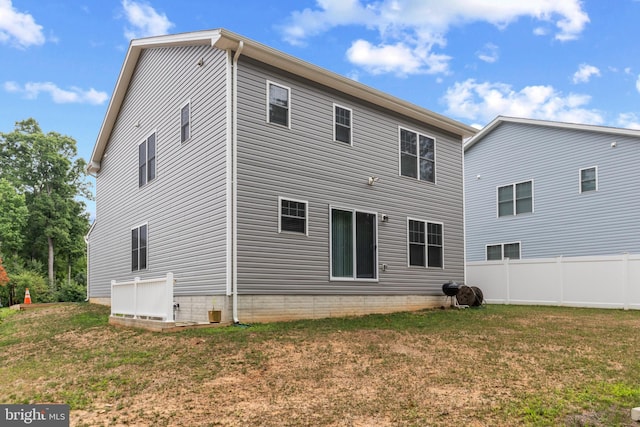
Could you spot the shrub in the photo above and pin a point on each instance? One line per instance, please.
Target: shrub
(72, 292)
(38, 288)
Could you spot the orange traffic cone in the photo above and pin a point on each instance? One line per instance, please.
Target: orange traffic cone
(27, 297)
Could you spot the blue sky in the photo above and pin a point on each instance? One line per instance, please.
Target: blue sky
(566, 60)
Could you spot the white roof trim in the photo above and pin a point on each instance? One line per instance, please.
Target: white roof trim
(223, 39)
(574, 126)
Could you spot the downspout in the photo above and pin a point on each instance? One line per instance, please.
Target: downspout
(234, 180)
(464, 220)
(86, 241)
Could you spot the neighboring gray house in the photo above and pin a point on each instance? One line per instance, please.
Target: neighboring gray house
(271, 188)
(540, 190)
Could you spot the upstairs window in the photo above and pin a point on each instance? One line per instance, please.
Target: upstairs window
(425, 244)
(293, 216)
(342, 124)
(185, 122)
(417, 156)
(279, 100)
(515, 199)
(588, 179)
(139, 248)
(503, 250)
(147, 160)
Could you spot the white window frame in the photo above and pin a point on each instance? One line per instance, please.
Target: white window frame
(435, 154)
(514, 200)
(138, 227)
(269, 83)
(580, 179)
(354, 278)
(186, 104)
(306, 219)
(335, 124)
(519, 243)
(146, 164)
(426, 243)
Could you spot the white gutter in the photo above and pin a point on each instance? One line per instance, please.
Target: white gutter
(234, 179)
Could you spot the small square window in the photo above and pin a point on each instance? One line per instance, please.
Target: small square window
(494, 252)
(278, 98)
(293, 216)
(511, 250)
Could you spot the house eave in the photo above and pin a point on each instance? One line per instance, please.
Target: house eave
(227, 40)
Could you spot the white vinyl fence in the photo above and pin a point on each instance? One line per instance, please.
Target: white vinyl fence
(149, 298)
(594, 281)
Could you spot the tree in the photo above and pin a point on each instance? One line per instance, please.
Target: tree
(13, 218)
(4, 278)
(45, 169)
(4, 281)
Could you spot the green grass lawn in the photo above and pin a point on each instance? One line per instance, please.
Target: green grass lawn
(496, 365)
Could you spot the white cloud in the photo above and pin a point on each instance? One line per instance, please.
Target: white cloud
(489, 53)
(398, 58)
(32, 90)
(540, 31)
(144, 20)
(334, 13)
(638, 83)
(419, 26)
(584, 73)
(17, 28)
(629, 121)
(476, 101)
(11, 87)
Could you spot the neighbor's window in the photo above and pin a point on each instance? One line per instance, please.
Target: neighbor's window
(503, 250)
(354, 251)
(417, 156)
(425, 243)
(147, 160)
(494, 252)
(279, 99)
(139, 248)
(185, 122)
(588, 179)
(293, 216)
(342, 125)
(515, 199)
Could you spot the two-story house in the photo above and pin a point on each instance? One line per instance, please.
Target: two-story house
(550, 213)
(271, 188)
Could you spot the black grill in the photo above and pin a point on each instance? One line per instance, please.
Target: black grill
(465, 295)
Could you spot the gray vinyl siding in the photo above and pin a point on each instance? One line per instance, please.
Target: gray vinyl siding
(185, 206)
(304, 163)
(564, 222)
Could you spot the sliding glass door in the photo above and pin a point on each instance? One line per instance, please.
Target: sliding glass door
(353, 244)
